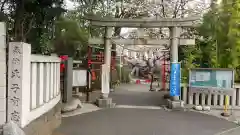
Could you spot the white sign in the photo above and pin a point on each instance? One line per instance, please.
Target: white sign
(202, 76)
(79, 78)
(105, 79)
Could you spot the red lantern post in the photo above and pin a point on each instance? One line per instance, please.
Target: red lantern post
(164, 73)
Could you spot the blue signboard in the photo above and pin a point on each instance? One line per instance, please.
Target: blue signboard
(175, 79)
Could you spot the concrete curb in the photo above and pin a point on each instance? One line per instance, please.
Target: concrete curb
(87, 108)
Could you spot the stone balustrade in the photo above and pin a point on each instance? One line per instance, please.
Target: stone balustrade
(214, 99)
(33, 84)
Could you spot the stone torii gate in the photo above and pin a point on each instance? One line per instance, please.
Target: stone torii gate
(173, 24)
(147, 43)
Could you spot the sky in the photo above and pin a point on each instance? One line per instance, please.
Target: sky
(69, 4)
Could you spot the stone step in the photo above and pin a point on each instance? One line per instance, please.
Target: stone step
(105, 103)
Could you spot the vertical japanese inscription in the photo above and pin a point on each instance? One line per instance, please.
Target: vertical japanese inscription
(15, 73)
(15, 116)
(16, 61)
(15, 88)
(15, 100)
(16, 50)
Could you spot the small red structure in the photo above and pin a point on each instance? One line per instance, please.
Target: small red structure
(147, 81)
(62, 66)
(99, 58)
(164, 73)
(138, 82)
(165, 70)
(93, 74)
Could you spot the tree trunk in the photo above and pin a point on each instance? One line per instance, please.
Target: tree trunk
(19, 13)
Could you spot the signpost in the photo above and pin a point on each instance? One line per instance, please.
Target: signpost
(217, 81)
(214, 78)
(79, 77)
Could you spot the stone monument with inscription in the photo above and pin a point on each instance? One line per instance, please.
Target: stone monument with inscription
(18, 67)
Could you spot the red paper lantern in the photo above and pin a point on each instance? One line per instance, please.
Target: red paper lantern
(63, 57)
(137, 81)
(62, 66)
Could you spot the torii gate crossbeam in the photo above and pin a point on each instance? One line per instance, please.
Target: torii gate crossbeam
(143, 23)
(152, 42)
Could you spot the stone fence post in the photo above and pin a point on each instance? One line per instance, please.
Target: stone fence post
(3, 71)
(19, 82)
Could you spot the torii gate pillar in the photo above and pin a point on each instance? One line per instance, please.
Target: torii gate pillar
(175, 34)
(175, 78)
(108, 47)
(106, 68)
(104, 101)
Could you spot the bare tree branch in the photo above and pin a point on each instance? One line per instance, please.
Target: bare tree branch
(163, 9)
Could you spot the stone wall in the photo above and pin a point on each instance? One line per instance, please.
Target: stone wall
(45, 124)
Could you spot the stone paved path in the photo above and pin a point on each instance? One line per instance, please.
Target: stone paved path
(142, 121)
(137, 95)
